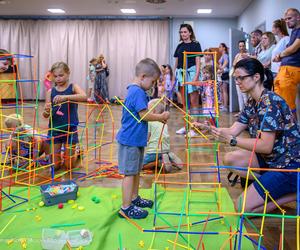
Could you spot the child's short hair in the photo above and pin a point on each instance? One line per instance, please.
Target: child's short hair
(148, 67)
(209, 69)
(14, 120)
(159, 108)
(94, 59)
(60, 65)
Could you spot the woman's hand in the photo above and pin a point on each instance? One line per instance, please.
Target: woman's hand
(277, 58)
(104, 65)
(244, 55)
(205, 126)
(220, 134)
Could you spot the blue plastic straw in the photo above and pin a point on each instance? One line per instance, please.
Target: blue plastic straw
(52, 173)
(213, 119)
(230, 167)
(255, 242)
(240, 232)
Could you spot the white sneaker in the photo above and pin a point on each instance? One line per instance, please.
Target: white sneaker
(181, 131)
(192, 134)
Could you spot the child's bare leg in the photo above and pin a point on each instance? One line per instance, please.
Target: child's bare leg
(136, 184)
(127, 190)
(41, 148)
(57, 156)
(70, 157)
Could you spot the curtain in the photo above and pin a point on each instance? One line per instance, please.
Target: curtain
(122, 42)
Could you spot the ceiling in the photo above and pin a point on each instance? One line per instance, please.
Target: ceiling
(172, 8)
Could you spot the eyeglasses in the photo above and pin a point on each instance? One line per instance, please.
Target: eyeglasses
(241, 78)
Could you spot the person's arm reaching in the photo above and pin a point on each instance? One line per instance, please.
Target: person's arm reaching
(163, 117)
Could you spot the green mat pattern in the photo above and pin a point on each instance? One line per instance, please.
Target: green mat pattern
(110, 231)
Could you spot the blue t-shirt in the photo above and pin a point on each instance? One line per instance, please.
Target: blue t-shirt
(278, 119)
(293, 59)
(132, 132)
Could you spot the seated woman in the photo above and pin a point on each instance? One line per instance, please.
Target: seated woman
(268, 117)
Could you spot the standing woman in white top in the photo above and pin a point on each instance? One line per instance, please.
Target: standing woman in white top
(268, 42)
(279, 29)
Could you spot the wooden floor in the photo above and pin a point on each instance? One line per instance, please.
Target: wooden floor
(272, 227)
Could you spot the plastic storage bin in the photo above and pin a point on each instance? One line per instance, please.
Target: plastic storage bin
(59, 192)
(53, 239)
(78, 238)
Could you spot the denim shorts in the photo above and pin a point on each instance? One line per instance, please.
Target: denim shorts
(151, 158)
(190, 74)
(70, 137)
(278, 184)
(130, 159)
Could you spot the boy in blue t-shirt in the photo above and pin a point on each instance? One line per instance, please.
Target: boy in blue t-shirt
(132, 138)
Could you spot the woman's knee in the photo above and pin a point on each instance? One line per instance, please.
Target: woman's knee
(230, 159)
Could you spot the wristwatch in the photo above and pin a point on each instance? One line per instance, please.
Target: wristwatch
(233, 141)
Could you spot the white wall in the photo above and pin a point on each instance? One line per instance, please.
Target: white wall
(260, 11)
(209, 32)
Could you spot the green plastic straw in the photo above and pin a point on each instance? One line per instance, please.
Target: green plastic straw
(171, 226)
(282, 233)
(120, 241)
(152, 241)
(272, 215)
(68, 224)
(251, 224)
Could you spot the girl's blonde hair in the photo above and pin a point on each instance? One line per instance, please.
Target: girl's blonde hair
(160, 107)
(14, 120)
(209, 70)
(100, 58)
(60, 65)
(271, 37)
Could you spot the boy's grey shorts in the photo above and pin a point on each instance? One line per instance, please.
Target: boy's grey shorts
(130, 159)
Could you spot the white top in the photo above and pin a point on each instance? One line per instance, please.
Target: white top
(280, 46)
(265, 55)
(155, 128)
